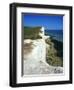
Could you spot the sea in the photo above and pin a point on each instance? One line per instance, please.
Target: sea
(55, 34)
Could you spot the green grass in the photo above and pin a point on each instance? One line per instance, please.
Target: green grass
(32, 33)
(54, 55)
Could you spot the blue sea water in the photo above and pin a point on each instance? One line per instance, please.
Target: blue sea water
(56, 34)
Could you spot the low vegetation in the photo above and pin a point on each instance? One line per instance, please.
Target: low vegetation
(32, 33)
(54, 52)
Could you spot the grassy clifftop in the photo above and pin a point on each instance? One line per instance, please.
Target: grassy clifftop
(32, 33)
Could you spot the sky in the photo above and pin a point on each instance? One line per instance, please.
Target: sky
(50, 22)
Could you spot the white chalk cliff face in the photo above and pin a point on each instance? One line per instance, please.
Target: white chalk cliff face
(35, 58)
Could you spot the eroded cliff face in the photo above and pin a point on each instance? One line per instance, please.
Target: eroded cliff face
(34, 58)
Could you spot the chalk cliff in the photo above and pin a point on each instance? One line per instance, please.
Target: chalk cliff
(34, 58)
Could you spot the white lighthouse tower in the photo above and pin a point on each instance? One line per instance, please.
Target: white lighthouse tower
(43, 33)
(42, 30)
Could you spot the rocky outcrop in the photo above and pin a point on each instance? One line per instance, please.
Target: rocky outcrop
(35, 59)
(40, 68)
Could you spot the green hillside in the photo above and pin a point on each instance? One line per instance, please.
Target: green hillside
(54, 55)
(32, 33)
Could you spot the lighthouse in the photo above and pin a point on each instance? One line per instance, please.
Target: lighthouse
(42, 30)
(43, 33)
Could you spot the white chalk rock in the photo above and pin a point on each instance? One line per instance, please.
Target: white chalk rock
(35, 61)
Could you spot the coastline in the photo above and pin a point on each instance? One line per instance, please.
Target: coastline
(41, 53)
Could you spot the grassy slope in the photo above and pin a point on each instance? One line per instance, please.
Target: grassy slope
(32, 33)
(55, 52)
